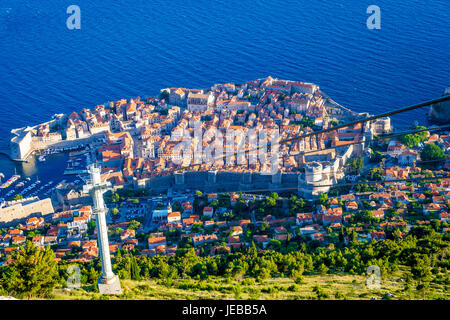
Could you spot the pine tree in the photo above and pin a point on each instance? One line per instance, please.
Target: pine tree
(32, 272)
(135, 269)
(92, 276)
(253, 251)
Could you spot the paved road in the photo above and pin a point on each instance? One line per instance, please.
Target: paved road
(148, 225)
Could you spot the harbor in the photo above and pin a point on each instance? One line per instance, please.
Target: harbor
(77, 163)
(35, 178)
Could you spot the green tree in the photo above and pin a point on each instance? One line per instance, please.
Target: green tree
(355, 165)
(323, 199)
(320, 292)
(135, 269)
(134, 225)
(412, 140)
(376, 156)
(115, 214)
(91, 226)
(271, 201)
(421, 269)
(323, 269)
(164, 95)
(196, 228)
(93, 275)
(18, 197)
(115, 197)
(198, 194)
(432, 152)
(237, 290)
(32, 272)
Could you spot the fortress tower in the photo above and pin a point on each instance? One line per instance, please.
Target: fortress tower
(316, 179)
(108, 282)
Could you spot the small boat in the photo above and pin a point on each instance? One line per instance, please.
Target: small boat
(41, 158)
(10, 181)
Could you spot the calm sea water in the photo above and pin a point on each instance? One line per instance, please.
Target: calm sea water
(130, 48)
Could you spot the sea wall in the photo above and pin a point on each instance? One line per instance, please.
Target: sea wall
(20, 211)
(23, 144)
(42, 145)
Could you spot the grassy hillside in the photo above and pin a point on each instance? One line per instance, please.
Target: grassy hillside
(330, 287)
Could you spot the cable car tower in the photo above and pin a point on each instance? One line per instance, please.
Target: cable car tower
(108, 283)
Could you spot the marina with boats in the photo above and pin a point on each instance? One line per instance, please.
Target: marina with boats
(42, 173)
(10, 181)
(25, 187)
(77, 163)
(75, 150)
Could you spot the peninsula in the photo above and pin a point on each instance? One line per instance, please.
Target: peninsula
(190, 215)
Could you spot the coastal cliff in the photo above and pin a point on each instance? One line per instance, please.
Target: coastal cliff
(440, 112)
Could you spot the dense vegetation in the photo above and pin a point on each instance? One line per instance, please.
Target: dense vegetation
(421, 254)
(432, 152)
(412, 140)
(424, 252)
(31, 273)
(355, 165)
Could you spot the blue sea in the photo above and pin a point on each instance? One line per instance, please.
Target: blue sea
(130, 48)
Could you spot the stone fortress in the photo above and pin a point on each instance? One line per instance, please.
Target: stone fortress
(19, 210)
(321, 170)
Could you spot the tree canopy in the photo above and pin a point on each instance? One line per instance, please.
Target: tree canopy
(31, 273)
(412, 140)
(432, 152)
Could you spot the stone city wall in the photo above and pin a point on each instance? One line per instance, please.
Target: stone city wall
(221, 181)
(21, 211)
